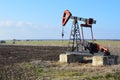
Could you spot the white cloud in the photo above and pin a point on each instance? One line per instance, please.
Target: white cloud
(21, 23)
(6, 23)
(10, 23)
(20, 30)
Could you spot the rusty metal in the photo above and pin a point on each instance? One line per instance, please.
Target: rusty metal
(78, 44)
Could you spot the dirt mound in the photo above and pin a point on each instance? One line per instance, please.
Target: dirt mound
(10, 54)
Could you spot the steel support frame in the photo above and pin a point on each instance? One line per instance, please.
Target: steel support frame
(75, 37)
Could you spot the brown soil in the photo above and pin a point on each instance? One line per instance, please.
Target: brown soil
(10, 54)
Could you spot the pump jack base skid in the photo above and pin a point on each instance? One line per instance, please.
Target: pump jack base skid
(97, 59)
(87, 54)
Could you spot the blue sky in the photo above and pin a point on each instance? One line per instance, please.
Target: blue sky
(41, 19)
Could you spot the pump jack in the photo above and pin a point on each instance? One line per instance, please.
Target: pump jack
(78, 44)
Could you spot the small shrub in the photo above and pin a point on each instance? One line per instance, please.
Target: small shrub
(108, 75)
(95, 78)
(38, 71)
(117, 76)
(2, 41)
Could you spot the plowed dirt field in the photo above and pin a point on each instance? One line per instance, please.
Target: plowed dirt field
(10, 54)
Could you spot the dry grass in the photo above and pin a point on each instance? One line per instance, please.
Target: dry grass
(47, 70)
(40, 42)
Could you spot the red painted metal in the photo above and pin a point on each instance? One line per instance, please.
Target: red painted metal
(103, 49)
(93, 47)
(90, 21)
(86, 25)
(66, 16)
